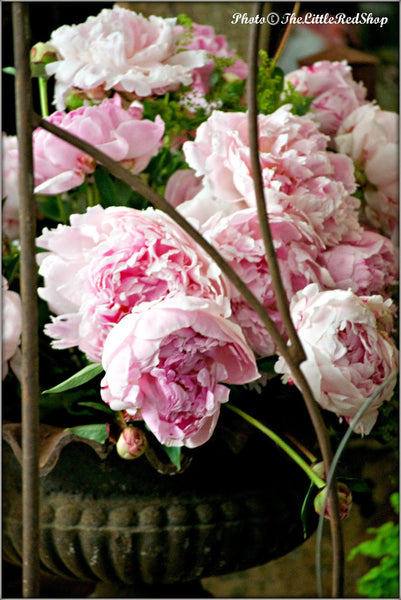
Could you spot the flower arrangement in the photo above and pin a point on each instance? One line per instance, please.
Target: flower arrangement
(133, 305)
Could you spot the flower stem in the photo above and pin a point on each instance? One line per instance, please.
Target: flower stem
(313, 476)
(90, 196)
(44, 106)
(63, 214)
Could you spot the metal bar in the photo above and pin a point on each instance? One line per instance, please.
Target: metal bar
(28, 289)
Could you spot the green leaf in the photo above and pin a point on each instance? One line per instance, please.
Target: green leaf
(355, 484)
(266, 364)
(307, 510)
(97, 406)
(106, 188)
(83, 376)
(96, 432)
(174, 454)
(9, 70)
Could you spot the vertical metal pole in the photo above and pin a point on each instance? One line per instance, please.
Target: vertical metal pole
(28, 289)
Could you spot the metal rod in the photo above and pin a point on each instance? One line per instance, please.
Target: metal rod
(28, 289)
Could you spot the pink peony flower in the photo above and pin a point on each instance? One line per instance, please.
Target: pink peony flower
(335, 92)
(10, 213)
(12, 328)
(110, 261)
(183, 185)
(367, 266)
(350, 353)
(299, 174)
(369, 136)
(119, 133)
(166, 365)
(238, 238)
(121, 50)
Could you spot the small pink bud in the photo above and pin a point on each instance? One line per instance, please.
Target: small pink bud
(131, 443)
(344, 500)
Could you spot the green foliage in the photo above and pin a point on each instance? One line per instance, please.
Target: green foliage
(83, 376)
(97, 432)
(382, 581)
(300, 104)
(273, 91)
(11, 257)
(174, 454)
(270, 84)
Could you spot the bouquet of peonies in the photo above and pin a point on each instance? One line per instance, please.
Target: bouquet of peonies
(129, 297)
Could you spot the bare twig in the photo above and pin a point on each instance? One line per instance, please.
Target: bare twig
(28, 283)
(297, 355)
(287, 31)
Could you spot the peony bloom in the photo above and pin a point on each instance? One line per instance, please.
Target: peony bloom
(350, 353)
(166, 363)
(183, 185)
(366, 266)
(238, 239)
(335, 92)
(120, 50)
(10, 213)
(110, 261)
(119, 133)
(12, 328)
(369, 136)
(299, 174)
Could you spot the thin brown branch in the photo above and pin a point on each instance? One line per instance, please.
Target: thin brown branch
(28, 284)
(287, 31)
(297, 351)
(297, 355)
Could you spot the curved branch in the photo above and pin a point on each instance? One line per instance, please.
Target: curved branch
(297, 355)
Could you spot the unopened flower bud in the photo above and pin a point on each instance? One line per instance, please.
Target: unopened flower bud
(131, 443)
(344, 501)
(43, 53)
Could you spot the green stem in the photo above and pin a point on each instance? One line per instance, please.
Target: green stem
(44, 106)
(63, 214)
(314, 477)
(90, 196)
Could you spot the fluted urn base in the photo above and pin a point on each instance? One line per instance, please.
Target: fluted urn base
(106, 520)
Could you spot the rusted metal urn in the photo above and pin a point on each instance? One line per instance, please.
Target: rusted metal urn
(236, 504)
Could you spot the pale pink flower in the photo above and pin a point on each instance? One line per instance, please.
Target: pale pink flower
(367, 266)
(369, 136)
(167, 364)
(238, 239)
(10, 212)
(183, 185)
(298, 172)
(12, 328)
(121, 50)
(121, 134)
(127, 257)
(350, 353)
(68, 251)
(335, 92)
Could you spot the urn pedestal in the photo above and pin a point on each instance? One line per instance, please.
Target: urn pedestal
(128, 527)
